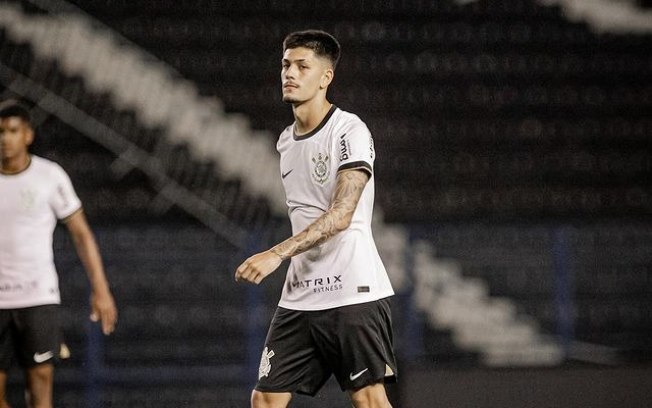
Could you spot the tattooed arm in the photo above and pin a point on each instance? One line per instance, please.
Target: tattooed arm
(348, 190)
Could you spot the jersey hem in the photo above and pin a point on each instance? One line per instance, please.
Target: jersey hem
(292, 306)
(29, 304)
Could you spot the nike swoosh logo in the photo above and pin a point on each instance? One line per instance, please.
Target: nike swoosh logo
(42, 357)
(353, 377)
(284, 175)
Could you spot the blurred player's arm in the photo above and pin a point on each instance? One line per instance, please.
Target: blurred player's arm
(348, 190)
(102, 304)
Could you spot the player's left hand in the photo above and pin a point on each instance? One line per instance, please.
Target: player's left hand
(103, 309)
(257, 267)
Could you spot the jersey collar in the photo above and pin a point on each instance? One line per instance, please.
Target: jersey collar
(24, 169)
(317, 129)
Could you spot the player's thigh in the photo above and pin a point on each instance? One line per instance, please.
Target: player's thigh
(357, 341)
(7, 339)
(290, 361)
(38, 335)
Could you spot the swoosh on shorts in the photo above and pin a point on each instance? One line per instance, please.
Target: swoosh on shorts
(353, 377)
(42, 357)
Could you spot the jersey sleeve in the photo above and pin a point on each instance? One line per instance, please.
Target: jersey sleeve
(64, 200)
(356, 149)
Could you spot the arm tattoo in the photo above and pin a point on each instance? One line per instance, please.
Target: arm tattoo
(348, 190)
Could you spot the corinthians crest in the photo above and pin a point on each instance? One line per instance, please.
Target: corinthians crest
(320, 170)
(27, 199)
(265, 365)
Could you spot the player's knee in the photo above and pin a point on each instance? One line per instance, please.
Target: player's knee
(269, 399)
(39, 393)
(41, 374)
(372, 396)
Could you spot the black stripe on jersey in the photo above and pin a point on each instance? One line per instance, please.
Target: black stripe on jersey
(318, 128)
(362, 165)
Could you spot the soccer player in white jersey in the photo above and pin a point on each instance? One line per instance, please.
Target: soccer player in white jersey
(34, 193)
(334, 314)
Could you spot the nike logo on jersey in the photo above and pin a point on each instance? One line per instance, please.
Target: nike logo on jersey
(42, 357)
(353, 377)
(284, 175)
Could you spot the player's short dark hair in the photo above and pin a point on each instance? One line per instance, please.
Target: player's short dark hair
(322, 43)
(12, 107)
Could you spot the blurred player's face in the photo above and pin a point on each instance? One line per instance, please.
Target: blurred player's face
(304, 75)
(15, 136)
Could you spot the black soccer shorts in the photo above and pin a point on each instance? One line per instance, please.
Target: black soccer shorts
(304, 348)
(32, 335)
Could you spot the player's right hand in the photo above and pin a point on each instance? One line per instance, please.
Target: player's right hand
(103, 310)
(257, 267)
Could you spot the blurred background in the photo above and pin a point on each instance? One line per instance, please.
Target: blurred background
(513, 177)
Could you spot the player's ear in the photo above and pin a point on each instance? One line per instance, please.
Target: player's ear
(29, 136)
(327, 77)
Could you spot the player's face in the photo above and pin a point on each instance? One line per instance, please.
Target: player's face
(304, 75)
(15, 136)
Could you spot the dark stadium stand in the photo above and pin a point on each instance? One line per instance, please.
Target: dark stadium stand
(508, 106)
(608, 274)
(515, 141)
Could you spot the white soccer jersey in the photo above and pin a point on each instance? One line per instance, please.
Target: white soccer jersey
(346, 269)
(30, 204)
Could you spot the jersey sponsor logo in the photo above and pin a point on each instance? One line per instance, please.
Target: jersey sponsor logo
(357, 375)
(320, 285)
(18, 286)
(43, 357)
(265, 364)
(320, 171)
(284, 175)
(27, 199)
(327, 288)
(345, 148)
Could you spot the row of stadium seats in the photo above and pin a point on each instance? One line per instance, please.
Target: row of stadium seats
(412, 33)
(562, 167)
(207, 63)
(410, 99)
(391, 8)
(513, 203)
(455, 131)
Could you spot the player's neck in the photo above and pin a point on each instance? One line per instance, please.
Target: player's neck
(309, 115)
(14, 165)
